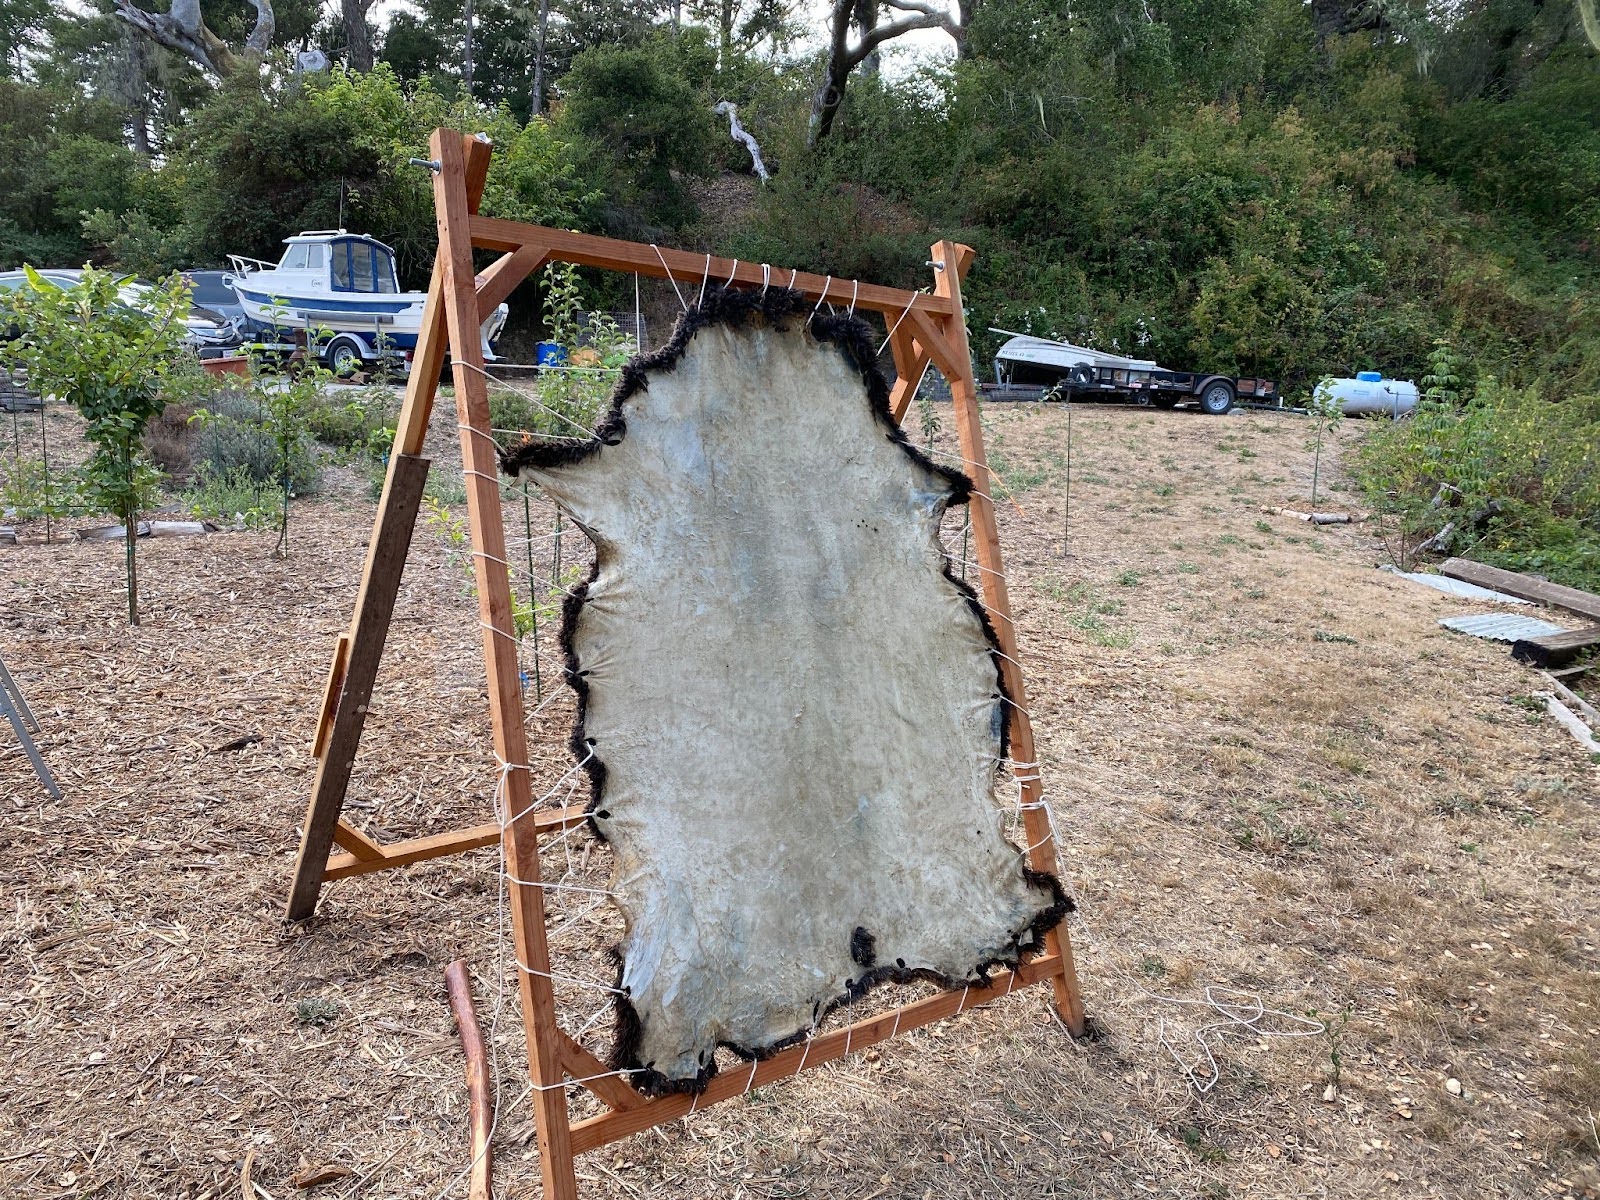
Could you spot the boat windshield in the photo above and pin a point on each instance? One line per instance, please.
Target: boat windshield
(359, 266)
(301, 256)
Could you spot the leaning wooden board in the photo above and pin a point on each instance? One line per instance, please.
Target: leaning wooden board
(1525, 587)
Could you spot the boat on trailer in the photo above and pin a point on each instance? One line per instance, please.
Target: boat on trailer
(1028, 367)
(342, 289)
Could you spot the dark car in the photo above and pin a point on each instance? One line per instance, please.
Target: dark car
(208, 291)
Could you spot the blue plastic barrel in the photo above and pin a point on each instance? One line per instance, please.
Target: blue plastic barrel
(549, 354)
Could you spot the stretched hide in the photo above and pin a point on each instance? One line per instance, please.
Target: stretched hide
(791, 713)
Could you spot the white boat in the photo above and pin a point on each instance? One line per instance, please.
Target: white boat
(343, 284)
(1025, 359)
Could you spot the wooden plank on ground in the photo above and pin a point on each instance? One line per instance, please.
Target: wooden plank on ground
(1556, 649)
(1525, 587)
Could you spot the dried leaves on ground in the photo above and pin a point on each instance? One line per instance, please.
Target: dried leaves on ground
(1271, 770)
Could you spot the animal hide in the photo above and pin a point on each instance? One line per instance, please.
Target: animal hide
(790, 711)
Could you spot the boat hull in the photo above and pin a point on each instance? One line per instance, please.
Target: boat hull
(382, 322)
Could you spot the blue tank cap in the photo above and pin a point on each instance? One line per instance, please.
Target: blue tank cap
(1370, 376)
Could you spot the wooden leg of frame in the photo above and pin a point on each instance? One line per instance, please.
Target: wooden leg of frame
(950, 344)
(380, 583)
(500, 646)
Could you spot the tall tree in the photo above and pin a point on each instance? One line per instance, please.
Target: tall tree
(358, 54)
(22, 31)
(543, 29)
(845, 55)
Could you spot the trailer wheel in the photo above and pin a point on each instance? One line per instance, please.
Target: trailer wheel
(343, 356)
(1217, 398)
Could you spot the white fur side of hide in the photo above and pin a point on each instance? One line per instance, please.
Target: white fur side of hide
(797, 712)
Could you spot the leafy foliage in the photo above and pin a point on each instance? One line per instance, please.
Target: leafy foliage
(1515, 472)
(114, 362)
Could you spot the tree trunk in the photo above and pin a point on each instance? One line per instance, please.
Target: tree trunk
(829, 96)
(835, 73)
(466, 64)
(357, 35)
(130, 531)
(538, 58)
(139, 126)
(725, 14)
(866, 20)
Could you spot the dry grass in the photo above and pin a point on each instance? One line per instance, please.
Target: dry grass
(1271, 770)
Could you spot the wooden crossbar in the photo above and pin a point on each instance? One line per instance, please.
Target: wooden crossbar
(925, 329)
(688, 269)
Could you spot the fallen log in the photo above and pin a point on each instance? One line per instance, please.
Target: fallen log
(1514, 583)
(481, 1108)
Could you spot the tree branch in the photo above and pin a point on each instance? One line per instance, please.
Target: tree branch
(740, 134)
(870, 42)
(183, 30)
(260, 38)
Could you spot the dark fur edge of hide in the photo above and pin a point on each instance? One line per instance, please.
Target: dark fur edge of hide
(777, 306)
(1026, 942)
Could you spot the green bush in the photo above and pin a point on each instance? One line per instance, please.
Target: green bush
(235, 498)
(1515, 474)
(234, 438)
(353, 424)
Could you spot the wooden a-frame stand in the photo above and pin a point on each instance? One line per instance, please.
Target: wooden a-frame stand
(924, 329)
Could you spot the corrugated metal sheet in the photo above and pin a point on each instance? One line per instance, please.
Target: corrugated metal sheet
(1456, 587)
(1501, 628)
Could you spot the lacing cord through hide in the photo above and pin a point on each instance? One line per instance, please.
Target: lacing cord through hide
(706, 275)
(826, 284)
(588, 434)
(501, 941)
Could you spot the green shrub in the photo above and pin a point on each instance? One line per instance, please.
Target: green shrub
(234, 498)
(29, 491)
(351, 425)
(234, 437)
(1513, 476)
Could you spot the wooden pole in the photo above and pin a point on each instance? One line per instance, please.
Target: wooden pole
(358, 653)
(480, 1107)
(380, 584)
(521, 841)
(957, 367)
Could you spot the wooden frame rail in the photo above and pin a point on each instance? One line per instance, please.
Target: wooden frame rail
(925, 328)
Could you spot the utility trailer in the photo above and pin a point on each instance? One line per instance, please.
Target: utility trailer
(1028, 367)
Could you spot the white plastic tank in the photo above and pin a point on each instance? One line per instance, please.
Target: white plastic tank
(1370, 394)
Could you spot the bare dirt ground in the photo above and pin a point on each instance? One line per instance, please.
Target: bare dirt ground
(1271, 771)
